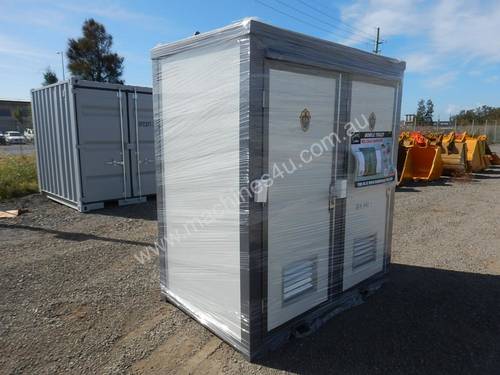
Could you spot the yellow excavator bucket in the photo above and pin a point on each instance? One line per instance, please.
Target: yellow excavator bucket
(405, 143)
(475, 161)
(419, 158)
(492, 156)
(453, 154)
(482, 141)
(402, 154)
(423, 164)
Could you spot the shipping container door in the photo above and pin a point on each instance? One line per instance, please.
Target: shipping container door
(142, 143)
(301, 121)
(103, 144)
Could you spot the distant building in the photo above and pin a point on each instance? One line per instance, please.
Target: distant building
(409, 119)
(7, 118)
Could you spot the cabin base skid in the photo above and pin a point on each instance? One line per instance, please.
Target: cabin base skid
(300, 327)
(129, 201)
(92, 206)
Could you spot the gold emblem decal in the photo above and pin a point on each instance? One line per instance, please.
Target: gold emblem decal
(305, 119)
(372, 120)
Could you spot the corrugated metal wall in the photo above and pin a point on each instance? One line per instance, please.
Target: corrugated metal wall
(55, 137)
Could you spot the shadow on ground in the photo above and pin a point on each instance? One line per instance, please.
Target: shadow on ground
(424, 321)
(412, 186)
(73, 236)
(145, 211)
(493, 172)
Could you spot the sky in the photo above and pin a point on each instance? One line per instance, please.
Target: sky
(451, 47)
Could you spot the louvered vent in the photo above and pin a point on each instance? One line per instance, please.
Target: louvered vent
(298, 279)
(365, 251)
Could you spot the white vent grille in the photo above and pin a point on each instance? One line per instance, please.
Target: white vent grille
(299, 278)
(364, 250)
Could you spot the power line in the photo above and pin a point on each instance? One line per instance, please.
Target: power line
(335, 26)
(322, 13)
(292, 16)
(298, 19)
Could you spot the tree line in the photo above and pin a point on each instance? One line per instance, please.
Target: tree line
(479, 115)
(425, 114)
(90, 57)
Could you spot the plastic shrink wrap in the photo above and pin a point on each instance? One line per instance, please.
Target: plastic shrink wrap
(276, 177)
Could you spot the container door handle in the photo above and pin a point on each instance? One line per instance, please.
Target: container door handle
(122, 163)
(137, 144)
(114, 162)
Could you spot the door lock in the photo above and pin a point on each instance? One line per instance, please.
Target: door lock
(114, 162)
(146, 161)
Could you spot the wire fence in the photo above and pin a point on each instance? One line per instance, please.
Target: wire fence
(490, 129)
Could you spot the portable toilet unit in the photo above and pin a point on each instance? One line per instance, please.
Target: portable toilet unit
(94, 143)
(276, 159)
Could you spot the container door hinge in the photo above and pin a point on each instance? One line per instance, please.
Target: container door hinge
(341, 188)
(260, 188)
(337, 191)
(265, 99)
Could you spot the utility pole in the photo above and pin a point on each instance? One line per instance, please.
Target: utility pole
(62, 64)
(378, 42)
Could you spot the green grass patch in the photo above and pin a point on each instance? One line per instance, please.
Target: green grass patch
(17, 176)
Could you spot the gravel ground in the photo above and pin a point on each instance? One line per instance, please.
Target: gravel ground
(74, 299)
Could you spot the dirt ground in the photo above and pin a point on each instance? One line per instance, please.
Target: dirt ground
(74, 299)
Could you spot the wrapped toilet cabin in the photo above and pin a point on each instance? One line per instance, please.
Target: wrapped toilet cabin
(276, 158)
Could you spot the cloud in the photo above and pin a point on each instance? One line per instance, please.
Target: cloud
(492, 79)
(113, 11)
(61, 15)
(441, 80)
(467, 29)
(393, 16)
(475, 72)
(420, 62)
(12, 47)
(452, 109)
(36, 15)
(108, 10)
(463, 29)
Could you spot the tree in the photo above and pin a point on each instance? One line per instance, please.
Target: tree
(429, 111)
(21, 115)
(90, 56)
(421, 111)
(49, 77)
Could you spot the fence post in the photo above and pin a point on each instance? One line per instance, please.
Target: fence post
(485, 131)
(472, 131)
(496, 123)
(455, 124)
